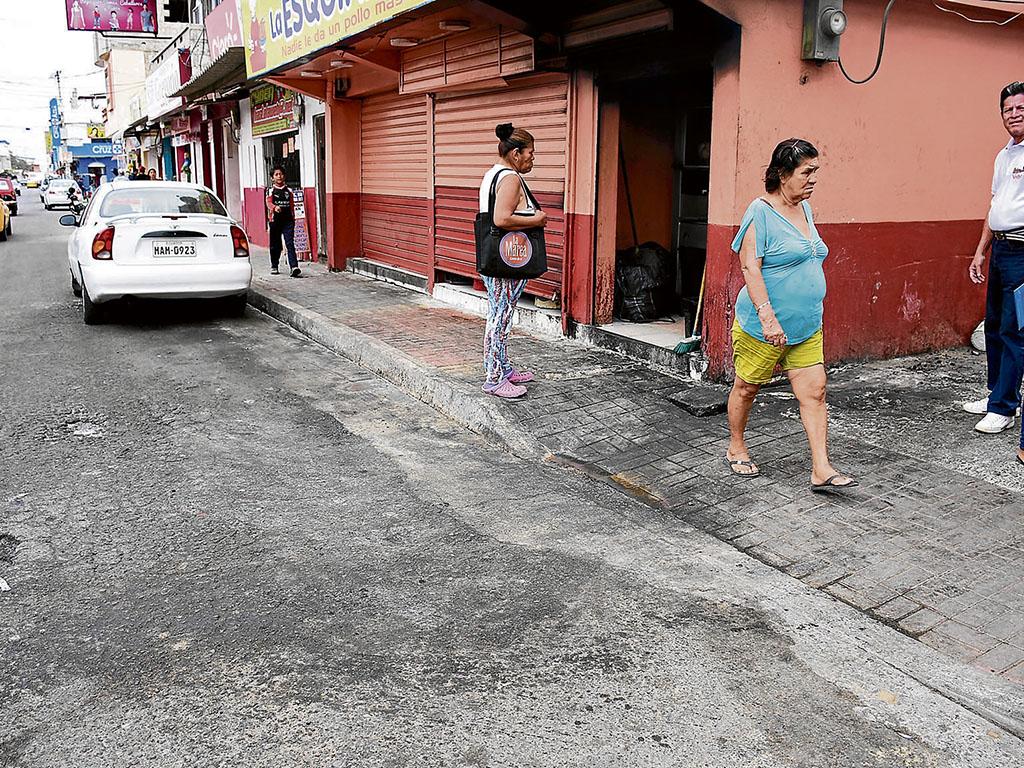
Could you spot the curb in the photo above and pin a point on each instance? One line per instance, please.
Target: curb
(466, 408)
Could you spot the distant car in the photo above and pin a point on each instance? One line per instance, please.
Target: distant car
(32, 182)
(5, 222)
(56, 194)
(156, 239)
(9, 194)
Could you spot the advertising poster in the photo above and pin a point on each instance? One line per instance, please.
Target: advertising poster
(127, 16)
(223, 29)
(301, 228)
(273, 110)
(276, 32)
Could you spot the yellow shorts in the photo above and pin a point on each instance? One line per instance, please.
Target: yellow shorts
(755, 360)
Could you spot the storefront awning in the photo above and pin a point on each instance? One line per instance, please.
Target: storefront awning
(225, 72)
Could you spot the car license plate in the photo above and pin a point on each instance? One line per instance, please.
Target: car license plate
(174, 248)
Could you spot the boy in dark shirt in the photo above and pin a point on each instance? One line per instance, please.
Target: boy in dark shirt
(281, 215)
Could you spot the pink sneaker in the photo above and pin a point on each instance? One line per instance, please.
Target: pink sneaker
(520, 377)
(505, 389)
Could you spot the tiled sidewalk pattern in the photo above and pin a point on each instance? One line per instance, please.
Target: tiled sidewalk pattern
(930, 551)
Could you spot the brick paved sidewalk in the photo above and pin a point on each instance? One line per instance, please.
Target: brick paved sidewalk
(930, 550)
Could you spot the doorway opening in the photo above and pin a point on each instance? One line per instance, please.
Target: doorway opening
(653, 202)
(283, 150)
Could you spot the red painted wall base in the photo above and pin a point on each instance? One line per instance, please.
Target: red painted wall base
(894, 288)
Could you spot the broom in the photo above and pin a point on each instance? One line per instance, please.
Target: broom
(690, 343)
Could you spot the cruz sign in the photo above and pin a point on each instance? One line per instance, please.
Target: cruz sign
(277, 32)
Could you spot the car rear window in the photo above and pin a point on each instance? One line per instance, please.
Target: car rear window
(161, 200)
(60, 184)
(6, 184)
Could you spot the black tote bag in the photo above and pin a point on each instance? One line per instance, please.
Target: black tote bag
(519, 254)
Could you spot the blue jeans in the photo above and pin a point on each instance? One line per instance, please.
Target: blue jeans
(1004, 342)
(286, 231)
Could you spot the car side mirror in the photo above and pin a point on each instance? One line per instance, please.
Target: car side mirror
(68, 220)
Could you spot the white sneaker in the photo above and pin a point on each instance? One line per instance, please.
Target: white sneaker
(994, 423)
(977, 407)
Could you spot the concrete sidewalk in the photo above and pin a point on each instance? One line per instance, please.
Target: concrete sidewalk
(931, 542)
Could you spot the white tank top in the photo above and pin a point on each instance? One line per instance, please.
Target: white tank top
(485, 190)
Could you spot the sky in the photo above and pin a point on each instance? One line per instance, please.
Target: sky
(35, 43)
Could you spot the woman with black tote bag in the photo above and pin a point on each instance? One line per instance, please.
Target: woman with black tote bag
(510, 250)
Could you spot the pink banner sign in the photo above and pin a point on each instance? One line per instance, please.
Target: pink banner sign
(125, 16)
(223, 29)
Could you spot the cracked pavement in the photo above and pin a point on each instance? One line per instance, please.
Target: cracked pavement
(226, 546)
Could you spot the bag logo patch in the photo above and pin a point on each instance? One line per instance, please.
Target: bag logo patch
(515, 249)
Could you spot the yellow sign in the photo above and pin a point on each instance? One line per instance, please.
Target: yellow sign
(96, 131)
(277, 32)
(49, 142)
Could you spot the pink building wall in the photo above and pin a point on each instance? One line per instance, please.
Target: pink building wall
(906, 165)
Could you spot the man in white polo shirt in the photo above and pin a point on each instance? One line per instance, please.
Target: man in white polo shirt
(1004, 231)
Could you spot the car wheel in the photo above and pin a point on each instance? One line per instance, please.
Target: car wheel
(14, 211)
(92, 314)
(3, 233)
(235, 305)
(75, 287)
(48, 207)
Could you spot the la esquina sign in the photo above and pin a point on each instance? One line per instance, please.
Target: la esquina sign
(277, 32)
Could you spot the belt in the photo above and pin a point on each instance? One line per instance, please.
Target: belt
(1014, 234)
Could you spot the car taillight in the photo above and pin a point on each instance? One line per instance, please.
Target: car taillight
(239, 242)
(103, 244)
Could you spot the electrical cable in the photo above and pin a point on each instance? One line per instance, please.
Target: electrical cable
(881, 49)
(979, 21)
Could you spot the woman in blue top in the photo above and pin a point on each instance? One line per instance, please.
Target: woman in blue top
(779, 310)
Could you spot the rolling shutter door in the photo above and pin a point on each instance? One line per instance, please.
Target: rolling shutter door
(465, 147)
(397, 215)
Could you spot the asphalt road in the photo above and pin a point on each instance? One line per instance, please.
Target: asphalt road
(222, 545)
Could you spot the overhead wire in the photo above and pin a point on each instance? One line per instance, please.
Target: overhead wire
(980, 21)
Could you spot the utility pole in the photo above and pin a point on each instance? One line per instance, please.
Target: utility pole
(60, 107)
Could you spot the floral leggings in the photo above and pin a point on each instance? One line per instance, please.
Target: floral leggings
(502, 296)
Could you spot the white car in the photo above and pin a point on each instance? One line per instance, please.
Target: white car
(156, 239)
(56, 194)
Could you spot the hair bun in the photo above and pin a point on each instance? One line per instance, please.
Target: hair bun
(504, 131)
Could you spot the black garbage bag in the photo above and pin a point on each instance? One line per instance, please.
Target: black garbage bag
(644, 283)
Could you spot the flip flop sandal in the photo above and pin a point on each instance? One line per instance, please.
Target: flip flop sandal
(832, 485)
(733, 463)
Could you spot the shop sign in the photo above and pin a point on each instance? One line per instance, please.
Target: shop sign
(49, 142)
(161, 83)
(223, 29)
(95, 149)
(180, 140)
(124, 16)
(55, 122)
(276, 32)
(131, 143)
(150, 140)
(181, 124)
(301, 235)
(273, 110)
(96, 131)
(135, 107)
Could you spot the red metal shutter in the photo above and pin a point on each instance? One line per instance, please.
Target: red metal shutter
(465, 147)
(397, 214)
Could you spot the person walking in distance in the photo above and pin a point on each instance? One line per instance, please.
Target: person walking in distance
(281, 215)
(1003, 230)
